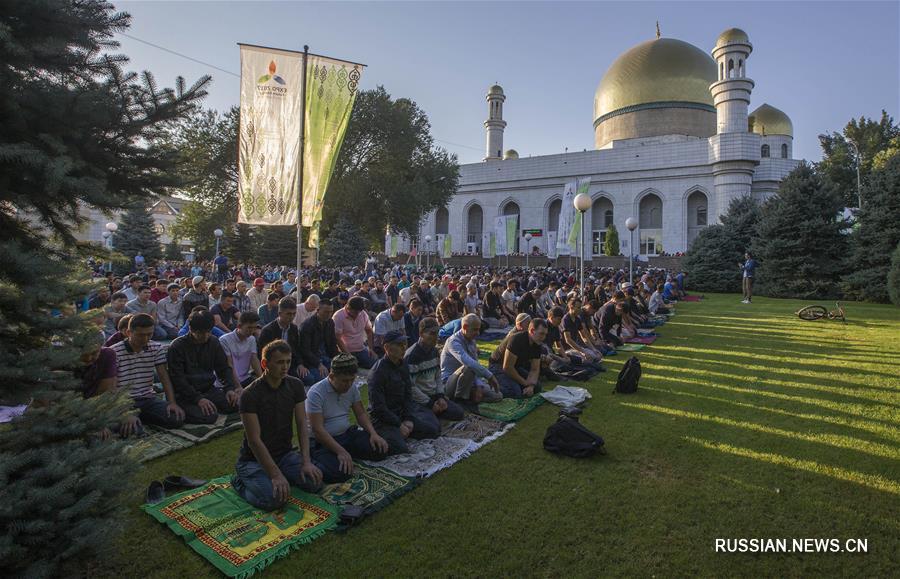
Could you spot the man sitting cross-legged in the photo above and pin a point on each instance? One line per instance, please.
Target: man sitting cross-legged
(467, 381)
(395, 414)
(267, 465)
(195, 361)
(137, 358)
(240, 349)
(335, 441)
(520, 370)
(423, 360)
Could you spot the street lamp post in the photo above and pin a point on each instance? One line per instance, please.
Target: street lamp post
(427, 252)
(858, 193)
(111, 228)
(631, 223)
(218, 233)
(582, 203)
(528, 237)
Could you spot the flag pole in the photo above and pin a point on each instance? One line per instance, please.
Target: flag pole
(300, 168)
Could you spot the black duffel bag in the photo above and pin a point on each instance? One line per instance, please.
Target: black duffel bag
(567, 436)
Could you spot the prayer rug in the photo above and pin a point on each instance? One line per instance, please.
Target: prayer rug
(630, 347)
(691, 298)
(472, 427)
(370, 487)
(509, 409)
(161, 441)
(426, 457)
(641, 340)
(236, 537)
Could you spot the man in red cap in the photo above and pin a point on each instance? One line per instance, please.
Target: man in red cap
(257, 294)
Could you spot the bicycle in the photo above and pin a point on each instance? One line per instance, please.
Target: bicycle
(811, 313)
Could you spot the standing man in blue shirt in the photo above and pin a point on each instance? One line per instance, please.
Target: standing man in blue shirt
(221, 263)
(748, 268)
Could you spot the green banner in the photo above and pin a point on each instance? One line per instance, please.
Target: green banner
(512, 228)
(331, 87)
(314, 236)
(448, 246)
(582, 186)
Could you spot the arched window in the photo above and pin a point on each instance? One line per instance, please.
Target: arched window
(512, 208)
(721, 71)
(696, 212)
(474, 225)
(740, 68)
(441, 221)
(601, 219)
(765, 151)
(784, 151)
(730, 68)
(650, 221)
(553, 215)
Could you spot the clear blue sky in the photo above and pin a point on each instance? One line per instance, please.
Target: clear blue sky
(820, 62)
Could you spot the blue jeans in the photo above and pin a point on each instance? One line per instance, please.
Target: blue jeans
(254, 486)
(364, 359)
(314, 376)
(509, 387)
(153, 411)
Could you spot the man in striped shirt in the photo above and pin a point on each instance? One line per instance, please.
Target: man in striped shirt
(137, 358)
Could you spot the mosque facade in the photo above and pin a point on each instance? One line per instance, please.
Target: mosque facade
(674, 144)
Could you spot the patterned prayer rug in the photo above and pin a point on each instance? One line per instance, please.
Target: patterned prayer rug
(691, 298)
(426, 457)
(236, 537)
(370, 487)
(160, 441)
(472, 427)
(509, 409)
(641, 340)
(630, 347)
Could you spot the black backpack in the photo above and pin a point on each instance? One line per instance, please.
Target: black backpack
(627, 382)
(568, 437)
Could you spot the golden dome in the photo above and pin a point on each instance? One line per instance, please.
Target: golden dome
(496, 89)
(732, 36)
(767, 120)
(510, 154)
(664, 70)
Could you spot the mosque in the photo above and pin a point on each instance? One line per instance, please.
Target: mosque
(674, 144)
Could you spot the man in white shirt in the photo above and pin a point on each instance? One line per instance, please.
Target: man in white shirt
(388, 321)
(307, 309)
(241, 351)
(169, 314)
(258, 294)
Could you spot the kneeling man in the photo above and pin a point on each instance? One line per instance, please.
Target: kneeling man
(521, 369)
(335, 441)
(268, 465)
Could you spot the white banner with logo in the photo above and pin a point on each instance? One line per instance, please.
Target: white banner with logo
(551, 244)
(488, 250)
(269, 140)
(566, 220)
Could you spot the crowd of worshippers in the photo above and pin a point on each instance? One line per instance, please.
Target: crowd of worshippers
(288, 352)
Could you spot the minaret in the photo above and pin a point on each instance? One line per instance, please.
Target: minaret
(734, 150)
(495, 124)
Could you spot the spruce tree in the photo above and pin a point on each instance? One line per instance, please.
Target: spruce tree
(137, 234)
(75, 130)
(877, 234)
(243, 243)
(611, 243)
(173, 251)
(800, 245)
(277, 245)
(711, 262)
(343, 246)
(893, 277)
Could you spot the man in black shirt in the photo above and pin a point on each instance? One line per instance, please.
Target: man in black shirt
(283, 328)
(493, 307)
(267, 465)
(395, 414)
(194, 362)
(521, 368)
(575, 335)
(610, 315)
(317, 345)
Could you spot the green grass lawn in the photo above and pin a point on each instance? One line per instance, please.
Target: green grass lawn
(749, 423)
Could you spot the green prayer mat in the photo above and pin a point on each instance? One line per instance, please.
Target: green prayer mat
(630, 347)
(509, 409)
(161, 441)
(370, 487)
(236, 537)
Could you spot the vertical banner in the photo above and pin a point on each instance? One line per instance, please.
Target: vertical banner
(582, 186)
(512, 232)
(500, 247)
(487, 245)
(269, 139)
(447, 246)
(392, 251)
(566, 219)
(331, 87)
(314, 236)
(551, 244)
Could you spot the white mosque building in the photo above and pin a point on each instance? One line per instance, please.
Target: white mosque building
(674, 144)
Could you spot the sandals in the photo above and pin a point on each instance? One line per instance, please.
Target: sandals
(157, 490)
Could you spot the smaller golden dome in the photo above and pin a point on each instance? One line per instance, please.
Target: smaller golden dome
(510, 154)
(496, 89)
(733, 36)
(767, 120)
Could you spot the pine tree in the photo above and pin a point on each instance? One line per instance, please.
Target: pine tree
(75, 131)
(173, 251)
(343, 246)
(243, 243)
(137, 234)
(800, 243)
(611, 243)
(877, 234)
(711, 262)
(893, 277)
(277, 245)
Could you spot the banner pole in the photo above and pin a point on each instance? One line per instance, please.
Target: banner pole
(300, 168)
